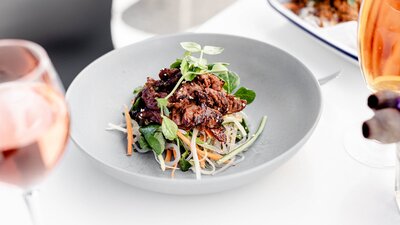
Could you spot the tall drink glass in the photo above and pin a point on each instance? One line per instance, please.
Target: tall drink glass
(379, 51)
(34, 119)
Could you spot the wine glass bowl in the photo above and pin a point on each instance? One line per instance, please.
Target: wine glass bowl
(379, 58)
(22, 60)
(379, 44)
(33, 133)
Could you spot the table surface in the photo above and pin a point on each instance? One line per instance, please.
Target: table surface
(321, 184)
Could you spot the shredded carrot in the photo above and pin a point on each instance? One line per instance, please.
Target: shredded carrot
(208, 133)
(129, 131)
(213, 156)
(175, 166)
(183, 138)
(168, 155)
(202, 161)
(202, 137)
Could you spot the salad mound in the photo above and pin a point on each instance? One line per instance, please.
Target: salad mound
(191, 118)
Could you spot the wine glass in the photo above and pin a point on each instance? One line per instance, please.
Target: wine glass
(379, 51)
(34, 120)
(379, 57)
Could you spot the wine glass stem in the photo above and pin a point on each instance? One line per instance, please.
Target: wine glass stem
(397, 182)
(30, 197)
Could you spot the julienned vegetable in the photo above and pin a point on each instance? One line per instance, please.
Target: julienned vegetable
(129, 131)
(247, 144)
(192, 117)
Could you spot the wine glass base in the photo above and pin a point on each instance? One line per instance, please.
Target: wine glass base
(368, 152)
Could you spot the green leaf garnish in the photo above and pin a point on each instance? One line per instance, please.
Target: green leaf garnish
(246, 94)
(184, 66)
(212, 50)
(184, 165)
(176, 64)
(149, 129)
(245, 126)
(219, 68)
(143, 143)
(169, 128)
(210, 66)
(154, 138)
(159, 145)
(232, 81)
(190, 76)
(161, 102)
(191, 46)
(137, 90)
(166, 111)
(135, 105)
(197, 62)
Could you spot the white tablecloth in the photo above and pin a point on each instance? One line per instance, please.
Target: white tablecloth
(319, 185)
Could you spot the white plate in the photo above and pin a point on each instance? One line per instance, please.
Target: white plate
(341, 38)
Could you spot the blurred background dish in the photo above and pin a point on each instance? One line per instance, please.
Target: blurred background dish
(340, 35)
(325, 13)
(136, 20)
(166, 16)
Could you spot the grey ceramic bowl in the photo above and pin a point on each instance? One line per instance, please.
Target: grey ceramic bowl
(286, 90)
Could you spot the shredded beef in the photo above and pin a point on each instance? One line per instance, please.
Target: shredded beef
(201, 103)
(196, 116)
(210, 81)
(169, 77)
